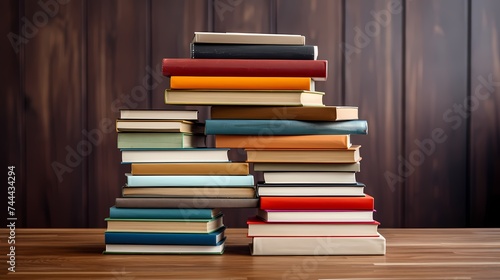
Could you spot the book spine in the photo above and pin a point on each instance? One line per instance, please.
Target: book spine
(241, 83)
(124, 202)
(244, 51)
(159, 238)
(173, 180)
(284, 127)
(316, 69)
(236, 168)
(137, 213)
(317, 203)
(283, 142)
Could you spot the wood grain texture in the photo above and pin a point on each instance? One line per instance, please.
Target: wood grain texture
(118, 77)
(11, 107)
(485, 115)
(373, 61)
(436, 80)
(411, 254)
(321, 21)
(53, 116)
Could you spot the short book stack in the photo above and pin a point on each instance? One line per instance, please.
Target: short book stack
(167, 205)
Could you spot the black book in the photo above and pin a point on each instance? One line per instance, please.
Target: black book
(249, 51)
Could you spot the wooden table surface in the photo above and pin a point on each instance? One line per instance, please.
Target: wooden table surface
(411, 254)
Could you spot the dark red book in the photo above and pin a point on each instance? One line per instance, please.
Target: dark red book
(316, 69)
(317, 203)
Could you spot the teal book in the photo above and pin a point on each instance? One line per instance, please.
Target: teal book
(154, 238)
(189, 181)
(285, 127)
(162, 213)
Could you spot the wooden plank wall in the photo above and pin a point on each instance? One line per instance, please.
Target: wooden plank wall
(410, 66)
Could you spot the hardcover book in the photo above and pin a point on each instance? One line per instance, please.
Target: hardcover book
(248, 38)
(195, 192)
(310, 177)
(315, 215)
(164, 249)
(189, 180)
(165, 213)
(241, 83)
(283, 141)
(282, 166)
(165, 225)
(160, 140)
(325, 113)
(253, 51)
(199, 202)
(350, 155)
(318, 203)
(191, 168)
(310, 189)
(154, 126)
(154, 238)
(175, 155)
(188, 115)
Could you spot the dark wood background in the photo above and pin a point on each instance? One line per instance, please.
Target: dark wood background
(409, 67)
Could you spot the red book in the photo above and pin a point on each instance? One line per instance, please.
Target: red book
(316, 69)
(317, 203)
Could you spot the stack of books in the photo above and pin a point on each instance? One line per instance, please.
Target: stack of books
(262, 91)
(167, 204)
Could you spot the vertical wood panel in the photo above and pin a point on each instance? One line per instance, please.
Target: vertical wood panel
(53, 82)
(321, 21)
(117, 78)
(11, 109)
(436, 80)
(485, 115)
(373, 59)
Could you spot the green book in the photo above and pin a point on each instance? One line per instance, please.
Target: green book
(130, 140)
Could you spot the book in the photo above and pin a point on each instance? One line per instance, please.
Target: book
(153, 126)
(258, 227)
(366, 245)
(325, 113)
(175, 155)
(166, 202)
(244, 97)
(153, 238)
(315, 69)
(315, 215)
(241, 83)
(309, 177)
(350, 155)
(283, 141)
(191, 168)
(284, 127)
(151, 140)
(310, 189)
(165, 225)
(188, 115)
(281, 166)
(248, 38)
(165, 213)
(317, 203)
(189, 180)
(212, 192)
(253, 51)
(164, 249)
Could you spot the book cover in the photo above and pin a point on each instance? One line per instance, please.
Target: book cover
(194, 192)
(192, 168)
(189, 180)
(253, 51)
(164, 238)
(325, 113)
(289, 246)
(165, 249)
(248, 38)
(174, 155)
(244, 97)
(166, 202)
(164, 213)
(160, 140)
(317, 203)
(315, 69)
(283, 141)
(284, 127)
(315, 215)
(310, 189)
(241, 83)
(258, 227)
(131, 114)
(350, 155)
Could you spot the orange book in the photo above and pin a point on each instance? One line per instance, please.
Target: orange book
(317, 203)
(191, 168)
(283, 141)
(241, 83)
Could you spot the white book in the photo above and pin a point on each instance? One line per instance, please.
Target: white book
(310, 177)
(339, 167)
(310, 190)
(164, 249)
(179, 155)
(248, 38)
(315, 216)
(317, 246)
(127, 114)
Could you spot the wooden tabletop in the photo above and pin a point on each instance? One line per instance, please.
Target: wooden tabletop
(411, 254)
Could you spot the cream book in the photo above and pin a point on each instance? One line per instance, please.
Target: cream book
(248, 38)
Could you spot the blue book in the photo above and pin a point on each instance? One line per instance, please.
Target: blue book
(162, 213)
(209, 239)
(284, 127)
(189, 181)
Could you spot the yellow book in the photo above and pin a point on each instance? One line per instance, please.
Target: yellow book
(242, 83)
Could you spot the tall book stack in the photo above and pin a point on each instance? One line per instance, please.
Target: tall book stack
(262, 89)
(167, 203)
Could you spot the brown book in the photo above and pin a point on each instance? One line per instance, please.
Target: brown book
(283, 141)
(325, 113)
(194, 192)
(195, 168)
(174, 202)
(350, 155)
